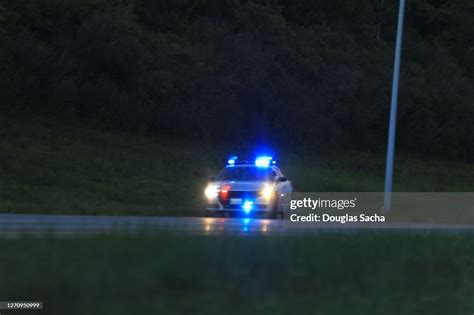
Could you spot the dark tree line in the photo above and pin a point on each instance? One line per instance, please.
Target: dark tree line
(306, 73)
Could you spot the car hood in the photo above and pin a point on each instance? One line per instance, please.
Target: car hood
(244, 186)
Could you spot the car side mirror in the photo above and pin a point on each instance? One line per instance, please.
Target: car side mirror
(282, 179)
(212, 178)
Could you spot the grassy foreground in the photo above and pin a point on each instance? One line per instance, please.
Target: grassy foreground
(49, 167)
(179, 274)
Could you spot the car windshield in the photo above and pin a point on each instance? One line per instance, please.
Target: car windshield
(246, 173)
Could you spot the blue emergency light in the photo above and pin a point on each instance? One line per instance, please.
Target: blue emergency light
(248, 206)
(231, 160)
(264, 161)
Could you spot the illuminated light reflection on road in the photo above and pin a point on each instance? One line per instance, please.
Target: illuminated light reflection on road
(208, 225)
(245, 228)
(244, 225)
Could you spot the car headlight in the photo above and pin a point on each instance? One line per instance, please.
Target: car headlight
(211, 191)
(268, 192)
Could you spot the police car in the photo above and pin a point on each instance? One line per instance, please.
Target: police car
(255, 187)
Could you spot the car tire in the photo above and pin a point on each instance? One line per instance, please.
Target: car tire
(272, 214)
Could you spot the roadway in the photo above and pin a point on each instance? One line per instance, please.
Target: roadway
(18, 225)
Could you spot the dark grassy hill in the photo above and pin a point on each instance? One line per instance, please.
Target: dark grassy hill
(50, 167)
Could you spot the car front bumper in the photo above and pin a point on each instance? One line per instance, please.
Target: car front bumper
(245, 205)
